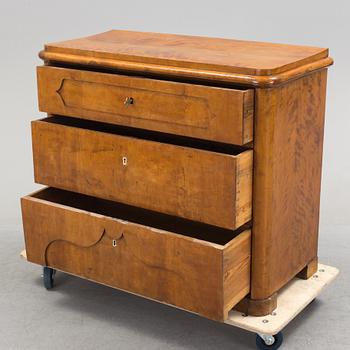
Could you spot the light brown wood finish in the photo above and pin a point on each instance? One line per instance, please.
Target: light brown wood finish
(184, 172)
(236, 266)
(218, 114)
(201, 277)
(244, 62)
(243, 194)
(309, 269)
(287, 173)
(258, 307)
(199, 185)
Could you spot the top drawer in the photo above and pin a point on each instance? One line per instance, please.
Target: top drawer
(205, 112)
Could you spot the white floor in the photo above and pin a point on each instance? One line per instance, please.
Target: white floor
(79, 314)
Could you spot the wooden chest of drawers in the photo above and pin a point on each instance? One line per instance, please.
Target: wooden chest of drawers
(183, 169)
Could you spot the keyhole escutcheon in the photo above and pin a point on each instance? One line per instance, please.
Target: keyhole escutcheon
(128, 101)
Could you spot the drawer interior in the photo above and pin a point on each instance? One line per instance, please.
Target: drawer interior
(180, 177)
(189, 265)
(146, 134)
(141, 216)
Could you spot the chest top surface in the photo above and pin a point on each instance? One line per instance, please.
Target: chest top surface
(256, 63)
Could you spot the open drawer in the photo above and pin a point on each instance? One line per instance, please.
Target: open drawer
(213, 186)
(204, 112)
(205, 270)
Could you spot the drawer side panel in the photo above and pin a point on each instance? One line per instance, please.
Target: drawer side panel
(236, 270)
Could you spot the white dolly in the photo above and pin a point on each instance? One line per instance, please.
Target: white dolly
(291, 300)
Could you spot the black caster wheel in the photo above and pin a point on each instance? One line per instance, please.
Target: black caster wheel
(264, 342)
(48, 277)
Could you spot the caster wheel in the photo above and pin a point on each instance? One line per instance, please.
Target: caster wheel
(48, 277)
(269, 342)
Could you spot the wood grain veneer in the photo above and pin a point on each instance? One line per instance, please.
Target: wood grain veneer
(195, 184)
(287, 175)
(226, 133)
(212, 113)
(201, 277)
(243, 62)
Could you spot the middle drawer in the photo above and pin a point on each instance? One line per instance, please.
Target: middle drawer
(196, 184)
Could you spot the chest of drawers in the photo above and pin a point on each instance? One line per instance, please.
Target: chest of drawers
(182, 169)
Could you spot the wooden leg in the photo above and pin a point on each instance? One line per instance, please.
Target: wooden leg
(308, 270)
(261, 307)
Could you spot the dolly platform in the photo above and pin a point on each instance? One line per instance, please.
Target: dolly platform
(292, 300)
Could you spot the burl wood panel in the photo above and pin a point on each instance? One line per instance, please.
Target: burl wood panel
(238, 61)
(199, 185)
(199, 111)
(198, 276)
(287, 172)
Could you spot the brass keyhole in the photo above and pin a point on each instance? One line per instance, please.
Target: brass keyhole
(128, 101)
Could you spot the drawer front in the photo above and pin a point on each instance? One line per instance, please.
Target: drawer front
(195, 184)
(201, 277)
(218, 114)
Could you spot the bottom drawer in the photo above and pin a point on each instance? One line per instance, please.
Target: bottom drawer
(199, 268)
